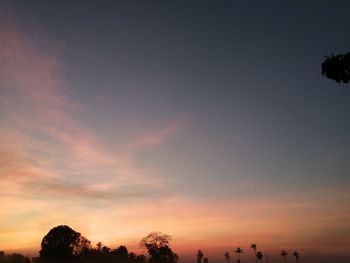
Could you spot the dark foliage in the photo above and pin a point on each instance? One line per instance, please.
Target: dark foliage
(157, 245)
(62, 243)
(13, 258)
(337, 68)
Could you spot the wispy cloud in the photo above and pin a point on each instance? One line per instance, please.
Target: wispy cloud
(154, 138)
(48, 157)
(39, 115)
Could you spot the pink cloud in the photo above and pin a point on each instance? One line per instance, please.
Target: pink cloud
(47, 155)
(154, 138)
(42, 136)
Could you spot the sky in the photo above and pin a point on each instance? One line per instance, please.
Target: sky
(207, 120)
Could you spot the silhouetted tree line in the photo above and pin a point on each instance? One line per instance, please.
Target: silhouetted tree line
(337, 67)
(13, 258)
(63, 244)
(258, 255)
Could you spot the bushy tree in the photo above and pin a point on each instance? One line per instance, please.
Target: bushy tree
(62, 243)
(157, 245)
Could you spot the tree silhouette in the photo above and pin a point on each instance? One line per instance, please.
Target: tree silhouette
(337, 67)
(62, 243)
(259, 255)
(121, 254)
(253, 246)
(105, 250)
(227, 257)
(99, 246)
(157, 245)
(200, 256)
(296, 255)
(13, 258)
(284, 255)
(155, 240)
(239, 251)
(140, 259)
(166, 255)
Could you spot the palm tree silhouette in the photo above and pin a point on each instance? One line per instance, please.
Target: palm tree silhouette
(239, 251)
(296, 255)
(259, 256)
(253, 246)
(227, 257)
(284, 255)
(200, 256)
(99, 246)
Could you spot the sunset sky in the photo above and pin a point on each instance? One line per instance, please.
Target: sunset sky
(207, 120)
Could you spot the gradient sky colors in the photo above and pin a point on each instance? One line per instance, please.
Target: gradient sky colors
(207, 120)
